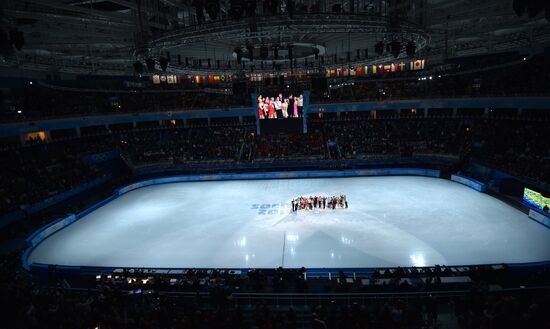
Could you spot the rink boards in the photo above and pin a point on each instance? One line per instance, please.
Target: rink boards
(42, 235)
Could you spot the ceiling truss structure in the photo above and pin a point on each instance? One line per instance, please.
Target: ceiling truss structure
(107, 36)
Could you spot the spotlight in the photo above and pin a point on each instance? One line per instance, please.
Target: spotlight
(5, 42)
(17, 38)
(271, 6)
(163, 61)
(150, 63)
(212, 8)
(199, 8)
(534, 8)
(410, 49)
(239, 53)
(250, 50)
(236, 9)
(395, 48)
(290, 6)
(264, 52)
(138, 67)
(379, 48)
(250, 8)
(290, 52)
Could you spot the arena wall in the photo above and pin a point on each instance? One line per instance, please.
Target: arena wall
(540, 217)
(470, 182)
(494, 177)
(416, 161)
(282, 175)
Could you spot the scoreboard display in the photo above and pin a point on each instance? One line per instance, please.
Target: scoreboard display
(281, 112)
(535, 199)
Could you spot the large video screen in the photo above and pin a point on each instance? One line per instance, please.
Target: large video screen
(535, 199)
(280, 106)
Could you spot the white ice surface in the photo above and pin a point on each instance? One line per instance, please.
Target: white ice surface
(391, 221)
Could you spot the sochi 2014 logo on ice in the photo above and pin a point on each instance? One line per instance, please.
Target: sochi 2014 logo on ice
(271, 208)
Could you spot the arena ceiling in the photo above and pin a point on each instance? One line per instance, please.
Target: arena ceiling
(108, 36)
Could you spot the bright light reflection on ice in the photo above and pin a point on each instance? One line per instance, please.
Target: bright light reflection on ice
(418, 260)
(292, 237)
(241, 242)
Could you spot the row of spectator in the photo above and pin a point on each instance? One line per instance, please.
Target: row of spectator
(54, 304)
(35, 172)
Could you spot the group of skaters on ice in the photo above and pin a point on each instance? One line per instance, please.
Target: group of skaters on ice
(319, 202)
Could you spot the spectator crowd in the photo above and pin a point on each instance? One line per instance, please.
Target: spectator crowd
(210, 300)
(41, 169)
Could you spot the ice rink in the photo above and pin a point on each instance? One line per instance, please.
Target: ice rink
(391, 221)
